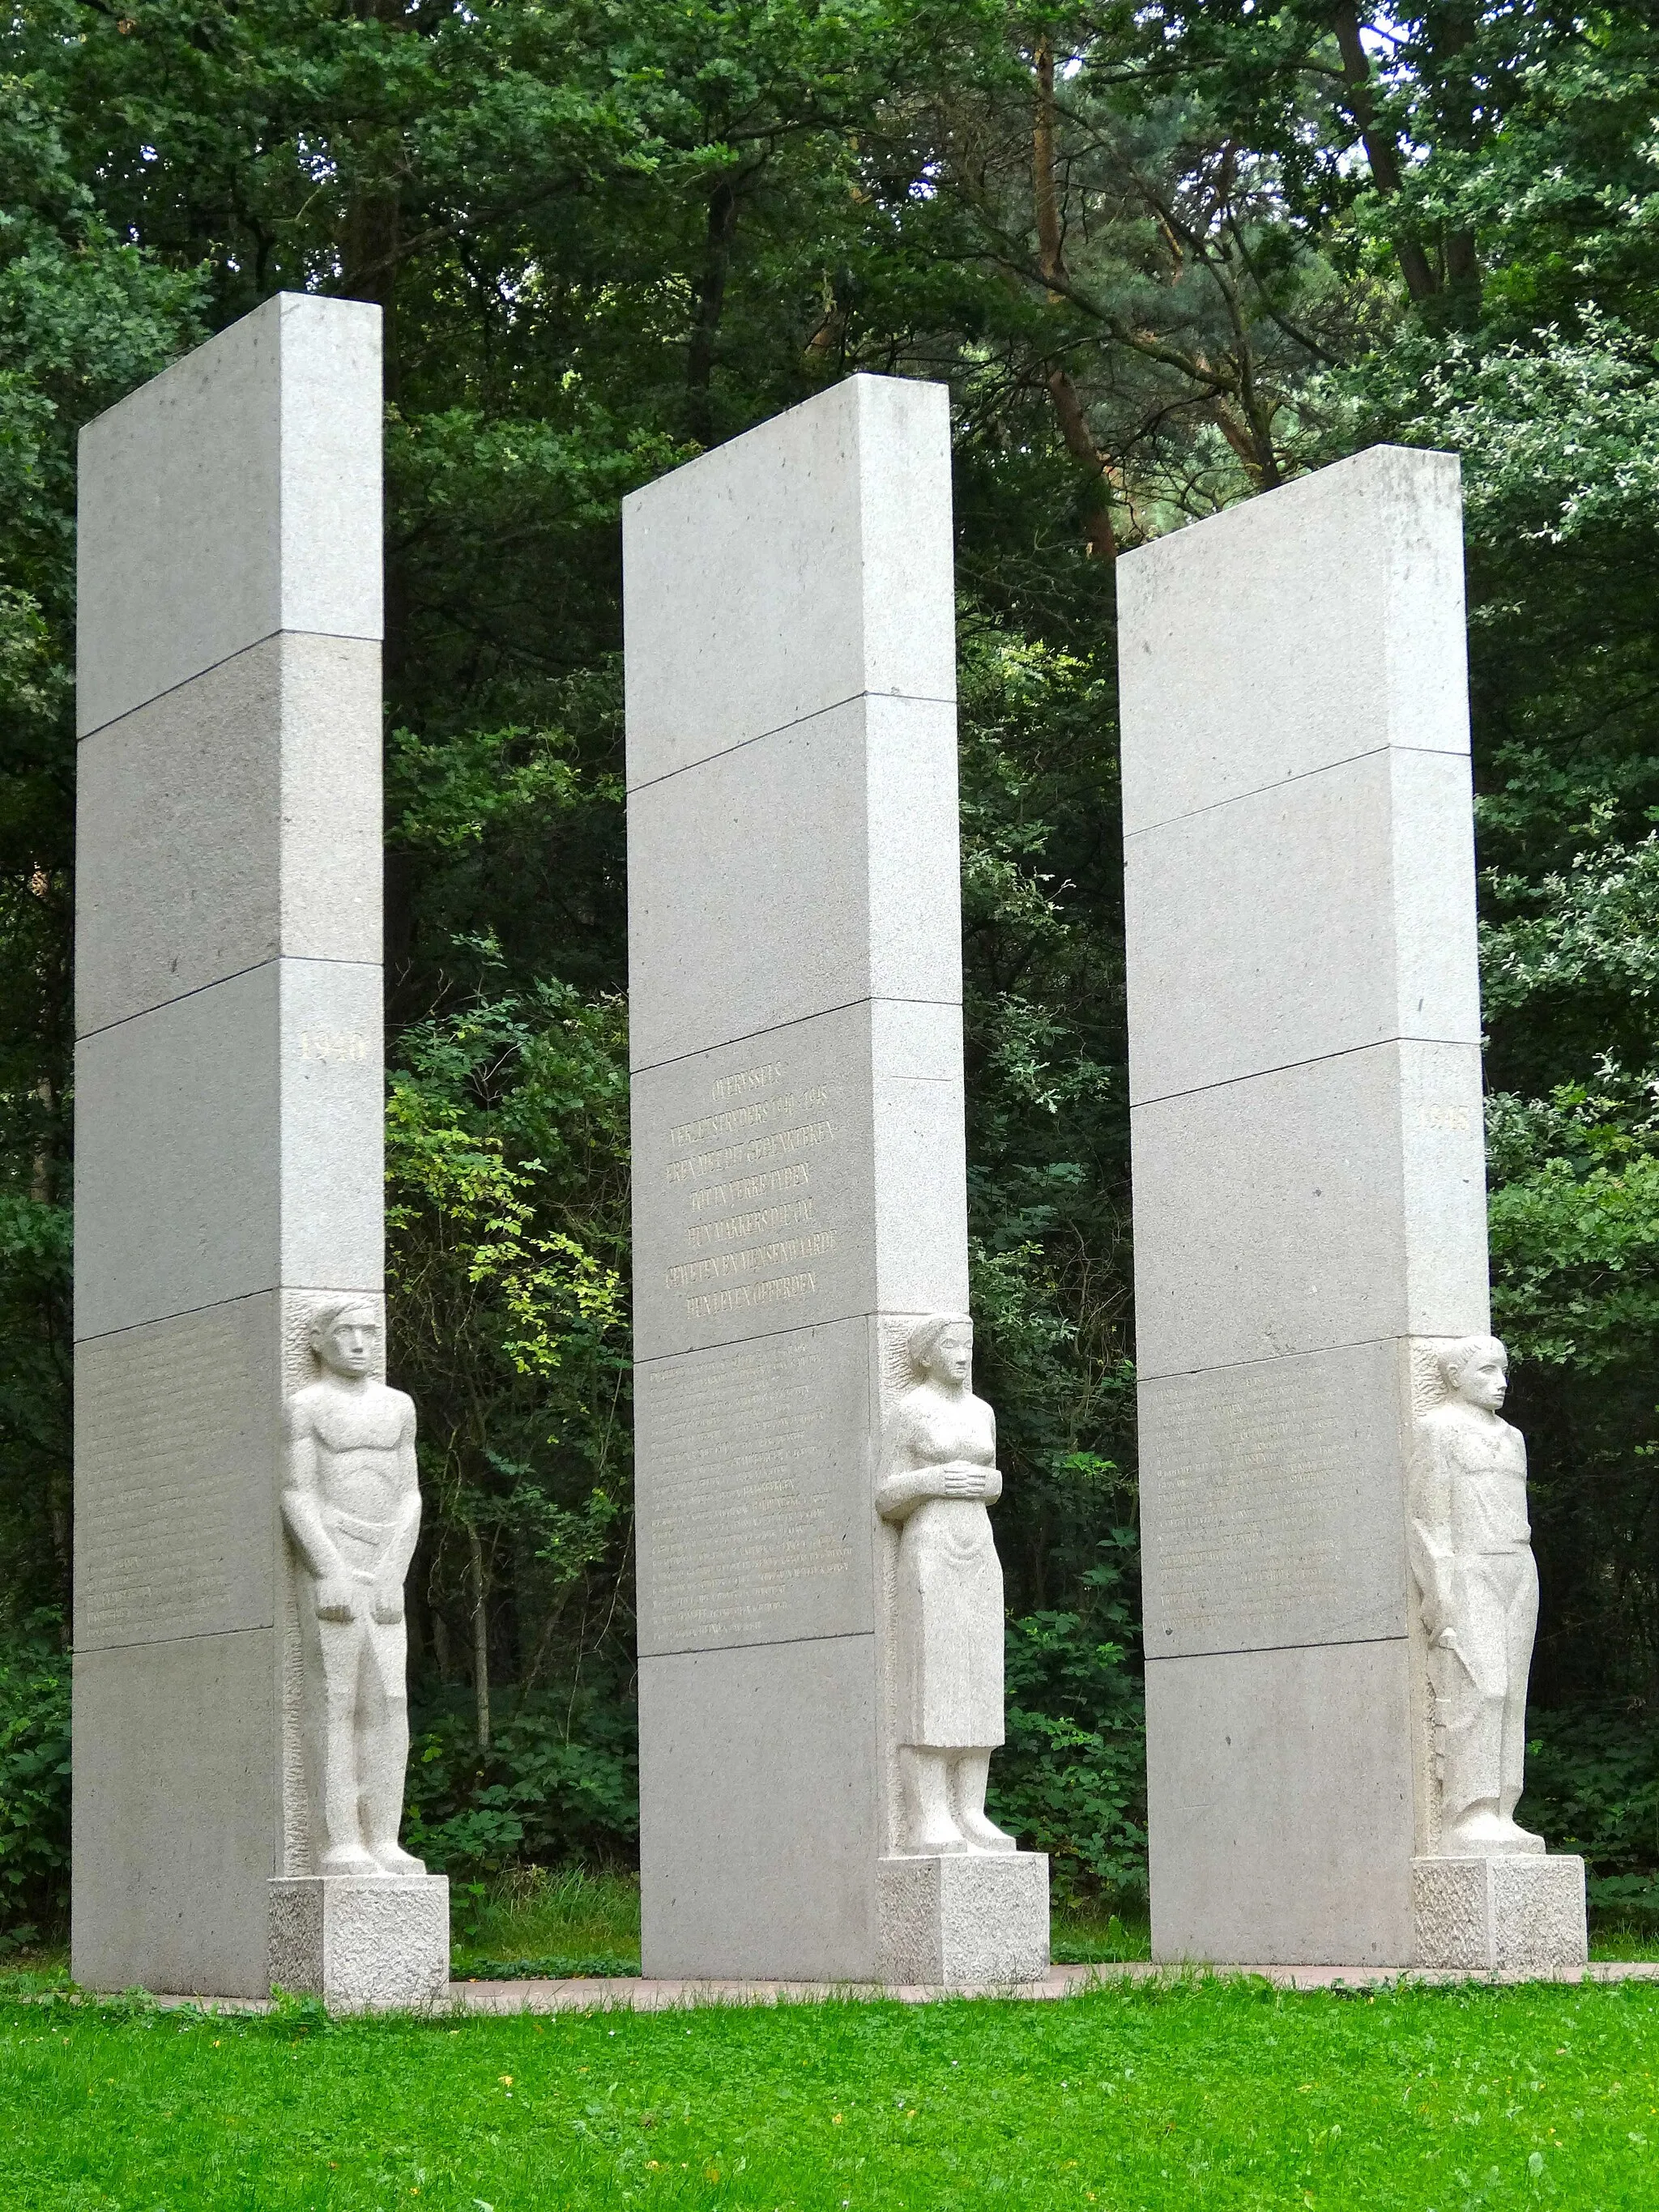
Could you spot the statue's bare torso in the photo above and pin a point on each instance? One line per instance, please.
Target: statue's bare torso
(361, 1468)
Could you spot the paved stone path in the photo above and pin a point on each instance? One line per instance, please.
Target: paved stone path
(629, 1993)
(633, 1994)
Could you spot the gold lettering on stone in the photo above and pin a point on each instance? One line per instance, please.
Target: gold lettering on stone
(1455, 1120)
(747, 1079)
(333, 1046)
(782, 1290)
(782, 1108)
(776, 1254)
(753, 1224)
(744, 1523)
(782, 1146)
(752, 1235)
(749, 1187)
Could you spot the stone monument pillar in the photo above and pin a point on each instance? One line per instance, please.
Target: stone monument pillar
(820, 1661)
(228, 1191)
(1338, 1591)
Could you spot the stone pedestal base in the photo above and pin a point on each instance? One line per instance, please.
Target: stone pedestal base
(965, 1916)
(360, 1941)
(1517, 1913)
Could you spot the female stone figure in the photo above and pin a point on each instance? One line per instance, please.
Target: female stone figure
(1471, 1558)
(939, 1476)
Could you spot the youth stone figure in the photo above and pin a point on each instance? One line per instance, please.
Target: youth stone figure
(1472, 1557)
(938, 1477)
(352, 1506)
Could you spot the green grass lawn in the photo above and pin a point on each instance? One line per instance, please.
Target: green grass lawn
(547, 1920)
(1616, 1940)
(1180, 2093)
(1184, 2094)
(574, 1920)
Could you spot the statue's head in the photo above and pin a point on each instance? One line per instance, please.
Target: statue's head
(942, 1346)
(344, 1336)
(1476, 1368)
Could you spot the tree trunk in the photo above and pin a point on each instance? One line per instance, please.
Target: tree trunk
(371, 253)
(369, 264)
(1421, 281)
(1451, 33)
(480, 1636)
(60, 1508)
(1069, 411)
(1045, 189)
(1097, 531)
(722, 223)
(40, 1166)
(370, 249)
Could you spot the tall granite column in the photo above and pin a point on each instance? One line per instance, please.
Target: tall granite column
(796, 1042)
(1310, 1215)
(228, 1105)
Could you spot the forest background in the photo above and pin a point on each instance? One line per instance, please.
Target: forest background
(1166, 258)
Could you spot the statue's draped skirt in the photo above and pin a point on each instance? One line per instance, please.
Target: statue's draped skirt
(949, 1625)
(1480, 1689)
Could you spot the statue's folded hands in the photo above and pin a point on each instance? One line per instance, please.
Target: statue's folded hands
(960, 1479)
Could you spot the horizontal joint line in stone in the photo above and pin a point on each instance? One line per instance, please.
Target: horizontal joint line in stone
(1284, 782)
(270, 960)
(1289, 1067)
(795, 1328)
(1251, 1650)
(139, 705)
(1273, 1358)
(764, 1336)
(799, 1021)
(237, 1298)
(799, 722)
(195, 1636)
(768, 1643)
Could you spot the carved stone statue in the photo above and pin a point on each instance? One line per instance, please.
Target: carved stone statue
(351, 1503)
(938, 1475)
(1472, 1557)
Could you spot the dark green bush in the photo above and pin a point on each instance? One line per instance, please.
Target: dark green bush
(559, 1782)
(34, 1785)
(1593, 1787)
(1072, 1778)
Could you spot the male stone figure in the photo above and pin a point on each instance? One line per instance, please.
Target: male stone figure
(1472, 1557)
(352, 1505)
(941, 1475)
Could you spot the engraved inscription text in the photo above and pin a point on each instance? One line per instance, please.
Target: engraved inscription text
(746, 1522)
(1269, 1520)
(753, 1238)
(172, 1477)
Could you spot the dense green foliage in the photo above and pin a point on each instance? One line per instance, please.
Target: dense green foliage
(1224, 2095)
(1165, 257)
(34, 1764)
